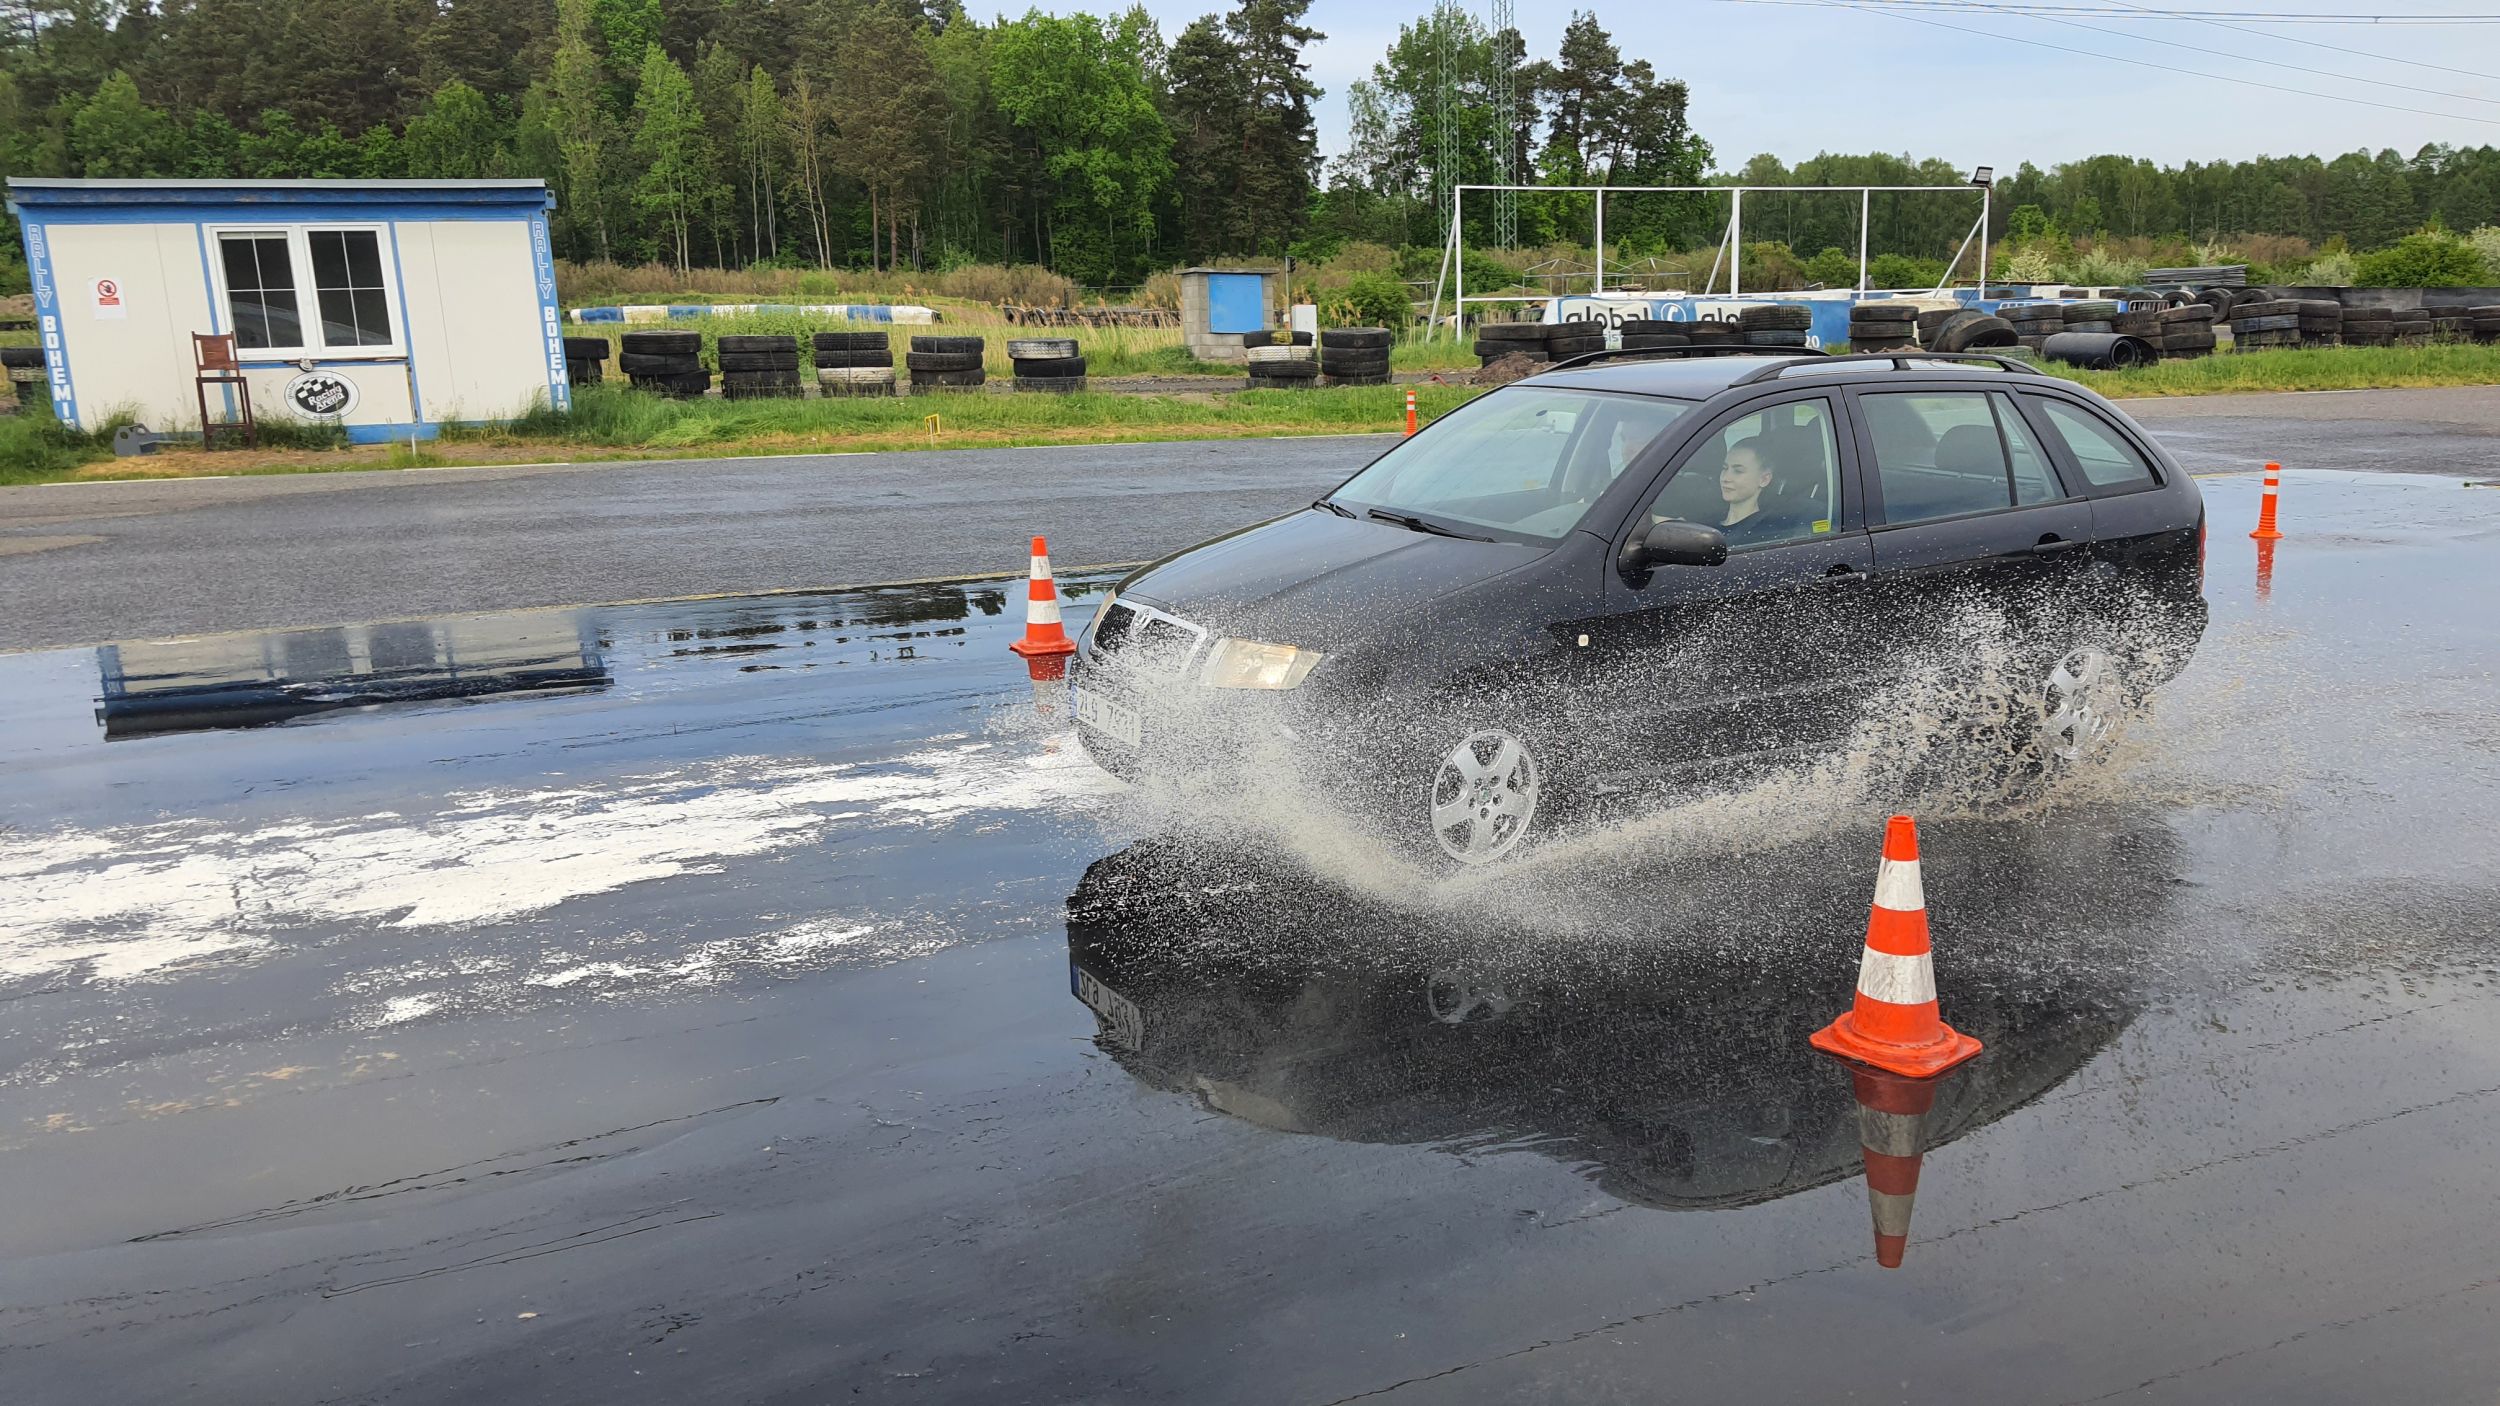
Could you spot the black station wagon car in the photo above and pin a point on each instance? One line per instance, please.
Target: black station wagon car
(1635, 569)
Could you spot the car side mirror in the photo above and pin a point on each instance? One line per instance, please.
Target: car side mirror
(1672, 543)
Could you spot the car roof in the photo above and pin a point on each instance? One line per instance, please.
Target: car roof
(1701, 377)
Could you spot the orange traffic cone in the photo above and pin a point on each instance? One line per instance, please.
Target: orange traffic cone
(1894, 1025)
(1892, 1136)
(1045, 645)
(2266, 531)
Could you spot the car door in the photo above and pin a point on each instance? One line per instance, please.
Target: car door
(2140, 533)
(1974, 530)
(1706, 663)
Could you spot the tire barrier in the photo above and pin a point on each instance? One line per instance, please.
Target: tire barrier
(1884, 326)
(1355, 356)
(681, 312)
(1282, 367)
(759, 366)
(668, 363)
(946, 363)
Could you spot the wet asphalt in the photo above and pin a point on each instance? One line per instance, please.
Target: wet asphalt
(86, 563)
(752, 1000)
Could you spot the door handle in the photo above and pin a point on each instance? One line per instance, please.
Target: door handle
(2048, 545)
(1841, 573)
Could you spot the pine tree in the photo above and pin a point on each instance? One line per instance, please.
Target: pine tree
(890, 124)
(116, 134)
(1278, 150)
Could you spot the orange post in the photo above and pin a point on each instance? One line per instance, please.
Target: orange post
(1410, 412)
(2266, 531)
(1894, 1024)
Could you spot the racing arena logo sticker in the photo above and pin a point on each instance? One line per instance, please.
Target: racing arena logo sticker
(322, 395)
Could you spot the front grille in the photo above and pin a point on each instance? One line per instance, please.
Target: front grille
(1146, 640)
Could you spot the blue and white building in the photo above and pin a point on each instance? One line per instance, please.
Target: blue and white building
(391, 307)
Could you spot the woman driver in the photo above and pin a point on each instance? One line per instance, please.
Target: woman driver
(1742, 482)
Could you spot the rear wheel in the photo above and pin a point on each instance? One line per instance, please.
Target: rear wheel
(2070, 714)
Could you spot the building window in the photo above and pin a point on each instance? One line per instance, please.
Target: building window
(273, 277)
(347, 277)
(260, 291)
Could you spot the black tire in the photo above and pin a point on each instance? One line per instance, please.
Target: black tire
(2369, 314)
(2271, 307)
(919, 360)
(2252, 341)
(1774, 337)
(738, 389)
(2096, 327)
(852, 342)
(664, 343)
(756, 342)
(1055, 369)
(2094, 310)
(1575, 346)
(1258, 339)
(679, 387)
(947, 380)
(586, 349)
(1041, 348)
(2134, 324)
(1653, 327)
(2182, 343)
(1973, 331)
(1531, 332)
(1776, 317)
(1294, 371)
(652, 364)
(1354, 366)
(1883, 312)
(2185, 313)
(2284, 323)
(843, 359)
(759, 361)
(1054, 385)
(950, 346)
(1356, 338)
(31, 358)
(585, 373)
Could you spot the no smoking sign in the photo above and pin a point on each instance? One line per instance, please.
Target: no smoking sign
(108, 300)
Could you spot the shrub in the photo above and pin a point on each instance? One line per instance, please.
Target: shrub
(2030, 264)
(1368, 300)
(2099, 267)
(2329, 270)
(2430, 259)
(1833, 268)
(1903, 271)
(2486, 242)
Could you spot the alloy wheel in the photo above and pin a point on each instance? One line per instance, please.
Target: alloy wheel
(1484, 795)
(2080, 700)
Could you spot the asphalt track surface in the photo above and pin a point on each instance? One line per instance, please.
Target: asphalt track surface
(91, 562)
(691, 1012)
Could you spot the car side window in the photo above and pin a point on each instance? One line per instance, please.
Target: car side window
(1771, 476)
(1941, 454)
(2108, 461)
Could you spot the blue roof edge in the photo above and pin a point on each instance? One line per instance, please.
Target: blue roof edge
(45, 191)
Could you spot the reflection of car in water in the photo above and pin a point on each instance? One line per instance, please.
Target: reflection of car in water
(1607, 576)
(1671, 1063)
(253, 680)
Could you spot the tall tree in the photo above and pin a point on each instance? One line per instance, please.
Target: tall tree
(889, 128)
(578, 91)
(809, 128)
(1079, 94)
(1278, 150)
(763, 142)
(668, 144)
(457, 137)
(117, 134)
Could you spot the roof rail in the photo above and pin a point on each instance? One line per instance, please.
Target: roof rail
(1785, 354)
(1900, 362)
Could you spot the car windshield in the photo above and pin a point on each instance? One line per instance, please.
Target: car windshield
(1525, 461)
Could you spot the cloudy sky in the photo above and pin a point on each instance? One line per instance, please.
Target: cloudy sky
(1801, 76)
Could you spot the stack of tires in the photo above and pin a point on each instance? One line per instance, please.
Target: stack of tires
(853, 363)
(2184, 331)
(1776, 324)
(1654, 334)
(25, 368)
(1884, 326)
(2321, 321)
(945, 363)
(1282, 367)
(2136, 322)
(1929, 321)
(1355, 356)
(2451, 324)
(2413, 327)
(2484, 322)
(1050, 364)
(2268, 322)
(669, 363)
(2369, 327)
(2089, 316)
(1715, 332)
(1495, 340)
(2035, 323)
(1572, 339)
(1969, 329)
(585, 360)
(753, 366)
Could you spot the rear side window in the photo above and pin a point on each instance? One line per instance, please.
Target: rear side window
(1946, 453)
(2107, 460)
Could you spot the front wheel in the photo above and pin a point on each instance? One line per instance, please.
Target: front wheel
(1483, 800)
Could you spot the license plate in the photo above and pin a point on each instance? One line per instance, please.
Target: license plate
(1114, 720)
(1121, 1018)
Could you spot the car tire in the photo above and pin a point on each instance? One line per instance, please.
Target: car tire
(586, 349)
(2072, 708)
(635, 363)
(664, 343)
(942, 360)
(759, 361)
(1482, 795)
(852, 342)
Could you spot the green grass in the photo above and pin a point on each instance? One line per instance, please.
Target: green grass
(35, 448)
(619, 418)
(2299, 369)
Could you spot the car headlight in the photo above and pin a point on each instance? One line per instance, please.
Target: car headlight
(1255, 664)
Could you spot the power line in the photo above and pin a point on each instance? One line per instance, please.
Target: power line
(2294, 67)
(1898, 13)
(2338, 48)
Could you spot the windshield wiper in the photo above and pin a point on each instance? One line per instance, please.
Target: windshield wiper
(1416, 524)
(1333, 506)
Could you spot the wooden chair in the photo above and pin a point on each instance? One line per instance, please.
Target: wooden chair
(214, 364)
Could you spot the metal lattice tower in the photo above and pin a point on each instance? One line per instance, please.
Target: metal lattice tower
(1502, 18)
(1446, 19)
